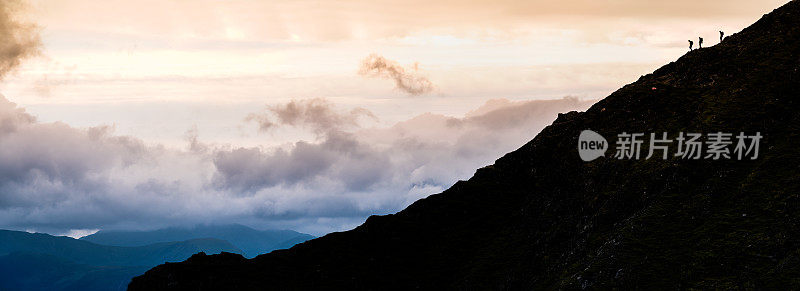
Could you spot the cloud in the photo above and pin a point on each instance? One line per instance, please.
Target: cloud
(407, 80)
(340, 157)
(20, 39)
(429, 150)
(37, 159)
(58, 178)
(317, 114)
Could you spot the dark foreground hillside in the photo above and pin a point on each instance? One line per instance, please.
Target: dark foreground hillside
(540, 218)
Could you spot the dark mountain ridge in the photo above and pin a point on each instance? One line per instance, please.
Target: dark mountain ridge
(541, 218)
(252, 242)
(38, 261)
(94, 254)
(35, 271)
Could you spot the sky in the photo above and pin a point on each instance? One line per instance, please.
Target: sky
(304, 115)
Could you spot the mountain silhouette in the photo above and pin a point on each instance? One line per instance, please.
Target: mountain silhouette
(252, 242)
(541, 218)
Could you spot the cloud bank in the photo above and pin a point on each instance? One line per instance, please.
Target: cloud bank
(54, 177)
(406, 80)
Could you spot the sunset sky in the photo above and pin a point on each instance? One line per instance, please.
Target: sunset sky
(306, 115)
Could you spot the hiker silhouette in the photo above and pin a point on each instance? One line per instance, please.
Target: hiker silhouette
(691, 43)
(721, 35)
(701, 42)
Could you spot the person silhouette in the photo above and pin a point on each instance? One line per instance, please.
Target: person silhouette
(691, 43)
(721, 35)
(701, 42)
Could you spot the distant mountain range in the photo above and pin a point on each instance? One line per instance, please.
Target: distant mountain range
(252, 242)
(108, 260)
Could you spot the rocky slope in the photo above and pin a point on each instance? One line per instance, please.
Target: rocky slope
(541, 218)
